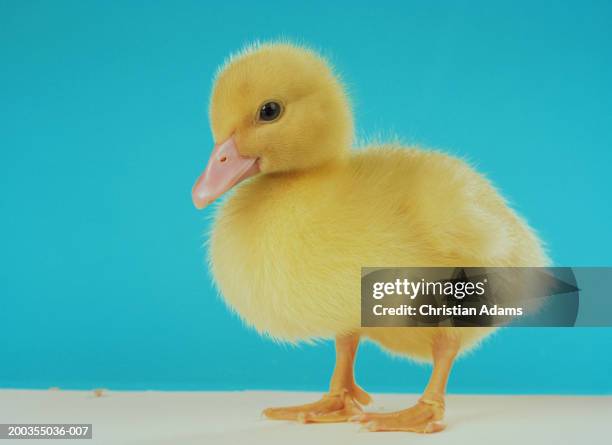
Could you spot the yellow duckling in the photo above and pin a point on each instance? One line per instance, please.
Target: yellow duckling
(286, 249)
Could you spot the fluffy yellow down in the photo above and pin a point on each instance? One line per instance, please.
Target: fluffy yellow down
(287, 247)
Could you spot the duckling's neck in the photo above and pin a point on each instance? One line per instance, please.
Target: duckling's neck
(331, 167)
(280, 191)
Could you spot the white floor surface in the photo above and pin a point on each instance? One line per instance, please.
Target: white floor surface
(177, 418)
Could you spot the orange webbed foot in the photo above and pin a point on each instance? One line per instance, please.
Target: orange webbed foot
(424, 417)
(334, 407)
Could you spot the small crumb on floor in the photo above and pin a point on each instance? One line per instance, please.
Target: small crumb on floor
(100, 392)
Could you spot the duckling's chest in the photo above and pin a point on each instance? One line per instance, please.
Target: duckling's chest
(271, 263)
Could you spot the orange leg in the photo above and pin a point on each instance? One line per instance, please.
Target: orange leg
(427, 414)
(344, 399)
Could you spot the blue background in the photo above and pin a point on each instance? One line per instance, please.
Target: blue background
(104, 129)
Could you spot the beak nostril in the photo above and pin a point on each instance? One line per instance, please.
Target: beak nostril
(223, 159)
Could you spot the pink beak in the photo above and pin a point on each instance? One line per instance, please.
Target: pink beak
(226, 168)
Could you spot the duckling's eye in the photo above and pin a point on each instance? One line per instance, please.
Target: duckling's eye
(270, 111)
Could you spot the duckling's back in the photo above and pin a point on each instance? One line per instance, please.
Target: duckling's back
(458, 216)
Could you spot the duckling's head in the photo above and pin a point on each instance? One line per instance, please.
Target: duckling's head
(274, 108)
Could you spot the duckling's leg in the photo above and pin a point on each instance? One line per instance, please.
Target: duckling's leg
(344, 398)
(427, 414)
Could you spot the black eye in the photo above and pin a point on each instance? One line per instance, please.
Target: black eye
(270, 111)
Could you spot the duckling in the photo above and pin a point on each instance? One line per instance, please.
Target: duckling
(308, 211)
